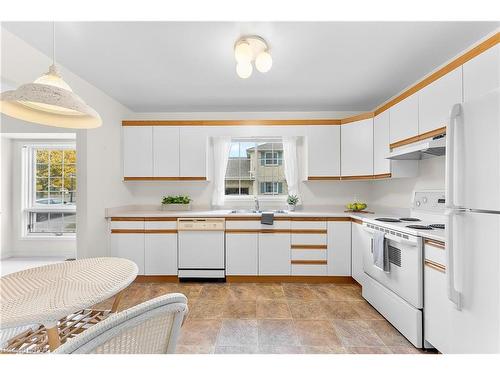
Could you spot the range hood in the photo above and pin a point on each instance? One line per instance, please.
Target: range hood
(425, 149)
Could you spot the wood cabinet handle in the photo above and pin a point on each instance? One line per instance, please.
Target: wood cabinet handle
(435, 266)
(437, 244)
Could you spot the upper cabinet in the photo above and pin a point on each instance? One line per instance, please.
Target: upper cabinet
(436, 100)
(357, 148)
(137, 151)
(381, 124)
(193, 152)
(404, 119)
(165, 151)
(323, 151)
(482, 74)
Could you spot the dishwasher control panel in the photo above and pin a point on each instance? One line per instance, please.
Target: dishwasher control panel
(200, 224)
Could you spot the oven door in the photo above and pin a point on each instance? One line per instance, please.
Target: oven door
(406, 265)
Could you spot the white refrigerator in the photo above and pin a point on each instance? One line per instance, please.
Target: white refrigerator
(473, 225)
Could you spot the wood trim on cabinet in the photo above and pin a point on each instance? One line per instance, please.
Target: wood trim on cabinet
(274, 231)
(161, 231)
(308, 247)
(308, 231)
(308, 262)
(254, 218)
(417, 138)
(242, 231)
(382, 175)
(437, 266)
(162, 218)
(320, 218)
(290, 279)
(323, 178)
(434, 243)
(361, 116)
(362, 177)
(147, 178)
(128, 231)
(357, 221)
(477, 50)
(126, 218)
(280, 122)
(156, 279)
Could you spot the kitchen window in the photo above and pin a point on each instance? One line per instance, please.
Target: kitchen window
(255, 167)
(50, 190)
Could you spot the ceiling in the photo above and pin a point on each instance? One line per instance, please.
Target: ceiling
(189, 66)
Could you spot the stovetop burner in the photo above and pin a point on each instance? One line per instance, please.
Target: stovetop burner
(423, 227)
(388, 219)
(409, 219)
(437, 226)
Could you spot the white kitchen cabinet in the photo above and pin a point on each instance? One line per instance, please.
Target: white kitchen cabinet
(242, 256)
(137, 151)
(129, 246)
(436, 100)
(193, 151)
(274, 254)
(482, 74)
(323, 147)
(160, 253)
(360, 241)
(381, 149)
(339, 248)
(165, 151)
(404, 119)
(357, 148)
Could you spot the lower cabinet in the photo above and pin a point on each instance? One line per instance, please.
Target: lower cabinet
(360, 241)
(339, 248)
(274, 254)
(242, 253)
(160, 254)
(129, 246)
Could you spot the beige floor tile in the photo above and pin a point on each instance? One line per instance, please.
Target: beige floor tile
(200, 332)
(269, 291)
(388, 334)
(368, 350)
(356, 333)
(243, 292)
(238, 332)
(219, 292)
(281, 349)
(316, 333)
(323, 350)
(406, 350)
(342, 310)
(236, 350)
(309, 310)
(240, 310)
(300, 292)
(206, 309)
(273, 309)
(277, 332)
(194, 349)
(366, 311)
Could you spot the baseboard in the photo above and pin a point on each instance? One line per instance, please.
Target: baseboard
(256, 279)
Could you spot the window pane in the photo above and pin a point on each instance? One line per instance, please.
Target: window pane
(42, 184)
(69, 222)
(39, 222)
(70, 184)
(70, 170)
(56, 156)
(55, 184)
(42, 156)
(69, 197)
(69, 156)
(42, 197)
(56, 170)
(42, 170)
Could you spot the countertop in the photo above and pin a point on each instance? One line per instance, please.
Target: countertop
(313, 211)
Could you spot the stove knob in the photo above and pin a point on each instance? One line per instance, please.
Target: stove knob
(424, 199)
(417, 203)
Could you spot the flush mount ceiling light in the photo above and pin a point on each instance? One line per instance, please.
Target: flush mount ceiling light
(49, 101)
(250, 49)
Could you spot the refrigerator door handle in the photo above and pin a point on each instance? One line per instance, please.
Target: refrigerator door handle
(455, 112)
(453, 295)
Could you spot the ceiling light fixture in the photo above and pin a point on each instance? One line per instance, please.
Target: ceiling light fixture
(250, 49)
(49, 101)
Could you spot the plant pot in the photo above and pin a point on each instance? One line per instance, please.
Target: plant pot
(176, 207)
(291, 207)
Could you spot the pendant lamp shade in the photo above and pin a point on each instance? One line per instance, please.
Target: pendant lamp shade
(49, 101)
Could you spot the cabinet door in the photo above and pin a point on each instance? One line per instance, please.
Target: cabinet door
(160, 254)
(404, 119)
(242, 253)
(339, 248)
(323, 151)
(129, 246)
(357, 148)
(436, 100)
(137, 151)
(381, 148)
(436, 309)
(360, 241)
(274, 254)
(482, 74)
(193, 151)
(165, 151)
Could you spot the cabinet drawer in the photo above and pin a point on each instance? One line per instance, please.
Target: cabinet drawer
(309, 269)
(309, 239)
(278, 224)
(243, 224)
(312, 254)
(139, 225)
(168, 225)
(435, 251)
(308, 225)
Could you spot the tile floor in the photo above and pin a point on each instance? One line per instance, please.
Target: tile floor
(276, 318)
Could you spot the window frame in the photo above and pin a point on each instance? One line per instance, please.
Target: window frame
(28, 186)
(262, 197)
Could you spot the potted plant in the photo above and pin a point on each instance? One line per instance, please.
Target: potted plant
(292, 201)
(176, 203)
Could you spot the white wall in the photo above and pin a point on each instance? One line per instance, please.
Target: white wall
(5, 197)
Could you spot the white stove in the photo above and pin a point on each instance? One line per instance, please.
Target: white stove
(397, 293)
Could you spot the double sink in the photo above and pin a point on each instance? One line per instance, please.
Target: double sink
(257, 211)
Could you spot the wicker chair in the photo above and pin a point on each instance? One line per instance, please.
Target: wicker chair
(149, 328)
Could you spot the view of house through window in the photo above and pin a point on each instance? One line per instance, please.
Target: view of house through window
(255, 167)
(51, 189)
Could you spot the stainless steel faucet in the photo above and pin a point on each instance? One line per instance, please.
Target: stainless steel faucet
(257, 206)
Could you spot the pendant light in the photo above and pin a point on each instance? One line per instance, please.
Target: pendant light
(49, 101)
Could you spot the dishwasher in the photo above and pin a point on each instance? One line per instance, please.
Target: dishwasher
(201, 248)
